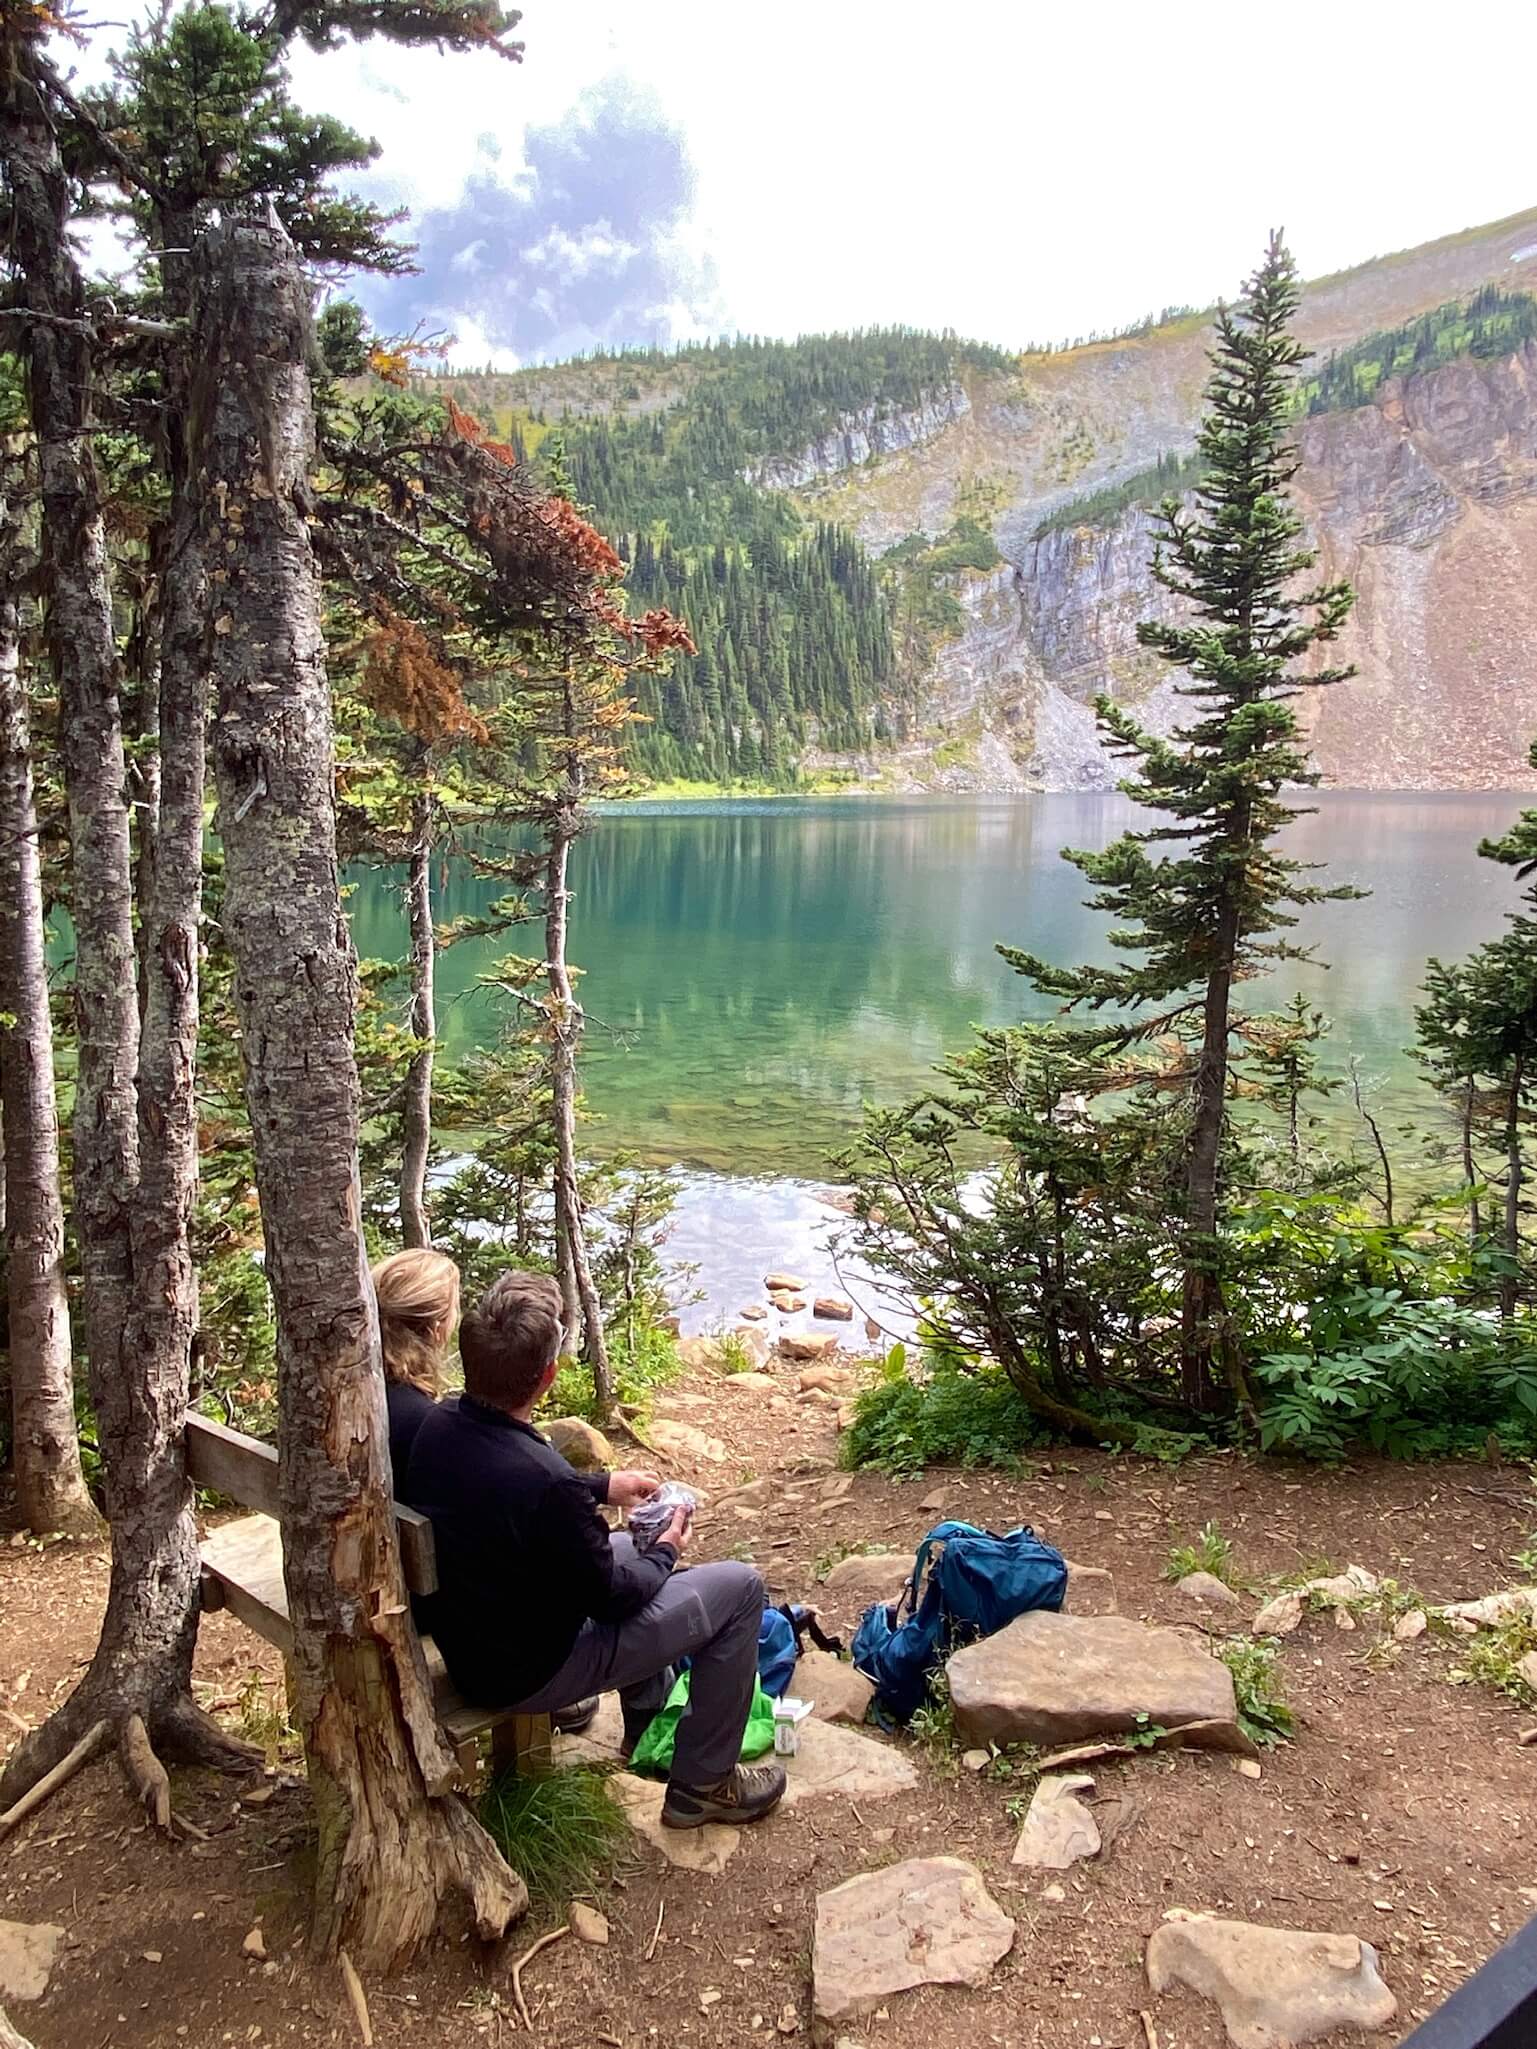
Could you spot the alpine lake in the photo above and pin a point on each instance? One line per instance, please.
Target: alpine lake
(756, 969)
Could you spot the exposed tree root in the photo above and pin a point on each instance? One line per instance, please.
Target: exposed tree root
(44, 1760)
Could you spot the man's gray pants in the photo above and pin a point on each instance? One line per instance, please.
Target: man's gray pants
(709, 1614)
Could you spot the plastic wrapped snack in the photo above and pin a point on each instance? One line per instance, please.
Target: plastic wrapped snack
(650, 1519)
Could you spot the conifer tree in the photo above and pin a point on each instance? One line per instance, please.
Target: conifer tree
(1217, 910)
(1478, 1028)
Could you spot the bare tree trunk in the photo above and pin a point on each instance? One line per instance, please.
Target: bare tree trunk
(1510, 1282)
(393, 1841)
(568, 1020)
(416, 1143)
(139, 1680)
(1203, 1309)
(50, 1486)
(1470, 1166)
(142, 723)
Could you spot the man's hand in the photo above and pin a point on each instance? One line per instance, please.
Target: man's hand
(629, 1490)
(679, 1530)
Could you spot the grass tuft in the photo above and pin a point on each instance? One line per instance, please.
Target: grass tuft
(1211, 1552)
(1263, 1714)
(561, 1831)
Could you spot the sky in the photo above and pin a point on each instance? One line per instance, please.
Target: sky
(1015, 170)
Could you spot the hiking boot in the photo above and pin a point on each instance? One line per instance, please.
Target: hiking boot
(581, 1714)
(745, 1794)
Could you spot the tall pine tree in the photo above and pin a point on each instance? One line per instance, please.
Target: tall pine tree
(1217, 909)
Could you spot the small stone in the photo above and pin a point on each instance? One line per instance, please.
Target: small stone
(580, 1444)
(1248, 1767)
(27, 1957)
(783, 1283)
(255, 1945)
(837, 1488)
(818, 1380)
(754, 1494)
(931, 1504)
(588, 1925)
(806, 1344)
(1090, 1590)
(750, 1383)
(683, 1441)
(1205, 1590)
(754, 1312)
(259, 1794)
(1409, 1626)
(787, 1303)
(1278, 1617)
(153, 1956)
(1277, 1988)
(789, 2020)
(1059, 1830)
(928, 1921)
(1054, 1893)
(1526, 1668)
(873, 1330)
(833, 1309)
(976, 1760)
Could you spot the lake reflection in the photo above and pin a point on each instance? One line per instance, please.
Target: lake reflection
(758, 968)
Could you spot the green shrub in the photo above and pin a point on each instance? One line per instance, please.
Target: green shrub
(1263, 1714)
(1211, 1552)
(939, 1415)
(561, 1831)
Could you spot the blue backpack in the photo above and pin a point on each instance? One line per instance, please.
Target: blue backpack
(966, 1583)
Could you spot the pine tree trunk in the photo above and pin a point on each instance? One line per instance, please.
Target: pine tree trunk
(571, 1235)
(50, 1486)
(139, 1679)
(1470, 1167)
(1510, 1282)
(416, 1142)
(393, 1841)
(142, 731)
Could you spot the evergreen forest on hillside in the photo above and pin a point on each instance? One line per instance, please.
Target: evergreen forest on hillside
(795, 629)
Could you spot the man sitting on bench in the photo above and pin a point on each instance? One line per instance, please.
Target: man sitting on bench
(538, 1604)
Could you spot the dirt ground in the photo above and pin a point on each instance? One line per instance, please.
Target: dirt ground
(1402, 1811)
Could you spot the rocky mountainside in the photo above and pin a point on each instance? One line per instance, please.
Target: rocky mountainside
(1425, 495)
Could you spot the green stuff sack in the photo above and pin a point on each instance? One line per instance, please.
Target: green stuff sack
(653, 1753)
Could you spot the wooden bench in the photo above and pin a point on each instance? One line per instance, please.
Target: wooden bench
(243, 1572)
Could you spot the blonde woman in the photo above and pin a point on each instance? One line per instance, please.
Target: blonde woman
(418, 1297)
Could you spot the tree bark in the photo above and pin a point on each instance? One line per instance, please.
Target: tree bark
(140, 1676)
(1510, 1281)
(50, 1486)
(392, 1839)
(567, 1022)
(1203, 1308)
(416, 1140)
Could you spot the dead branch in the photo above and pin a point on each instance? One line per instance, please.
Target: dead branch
(527, 1958)
(67, 1766)
(656, 1933)
(358, 1999)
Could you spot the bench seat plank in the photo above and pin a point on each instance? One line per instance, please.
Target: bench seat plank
(243, 1572)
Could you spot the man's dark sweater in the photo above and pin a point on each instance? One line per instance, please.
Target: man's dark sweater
(524, 1557)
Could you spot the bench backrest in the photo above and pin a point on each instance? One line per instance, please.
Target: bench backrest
(228, 1462)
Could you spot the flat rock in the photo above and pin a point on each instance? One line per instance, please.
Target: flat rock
(1090, 1590)
(806, 1344)
(787, 1303)
(707, 1849)
(580, 1443)
(928, 1921)
(1205, 1590)
(833, 1759)
(752, 1494)
(839, 1692)
(1278, 1617)
(682, 1440)
(819, 1380)
(833, 1309)
(1409, 1626)
(855, 1582)
(1059, 1830)
(783, 1283)
(754, 1312)
(1052, 1679)
(751, 1383)
(601, 1742)
(28, 1952)
(1516, 1604)
(1278, 1988)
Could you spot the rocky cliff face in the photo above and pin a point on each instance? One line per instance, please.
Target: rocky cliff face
(1426, 500)
(873, 431)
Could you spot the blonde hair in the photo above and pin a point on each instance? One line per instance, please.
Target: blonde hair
(418, 1296)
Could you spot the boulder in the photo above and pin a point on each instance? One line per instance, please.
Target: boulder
(754, 1343)
(28, 1952)
(854, 1583)
(1205, 1591)
(580, 1444)
(928, 1921)
(833, 1309)
(1409, 1626)
(782, 1283)
(873, 1330)
(682, 1440)
(750, 1383)
(1278, 1988)
(755, 1494)
(1090, 1590)
(806, 1345)
(1058, 1830)
(1053, 1679)
(837, 1691)
(787, 1302)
